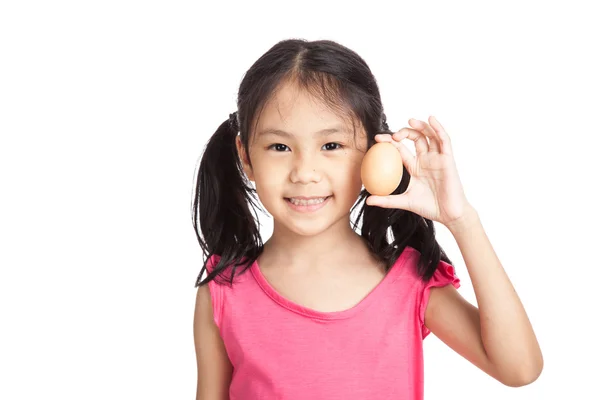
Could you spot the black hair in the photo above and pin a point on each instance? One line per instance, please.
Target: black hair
(225, 204)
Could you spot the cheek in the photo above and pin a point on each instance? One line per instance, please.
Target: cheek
(348, 175)
(269, 180)
(354, 165)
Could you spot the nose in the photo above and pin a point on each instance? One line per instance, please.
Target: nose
(305, 170)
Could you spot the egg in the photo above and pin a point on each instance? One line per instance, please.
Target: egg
(381, 169)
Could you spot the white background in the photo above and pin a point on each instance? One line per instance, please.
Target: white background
(105, 108)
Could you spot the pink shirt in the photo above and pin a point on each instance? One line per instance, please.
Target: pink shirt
(282, 350)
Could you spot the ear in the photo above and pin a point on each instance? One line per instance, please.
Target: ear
(244, 158)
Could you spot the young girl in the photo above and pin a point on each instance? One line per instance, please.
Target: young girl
(330, 308)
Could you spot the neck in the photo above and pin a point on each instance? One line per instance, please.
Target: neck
(327, 248)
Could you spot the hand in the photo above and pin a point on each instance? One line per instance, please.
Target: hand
(435, 191)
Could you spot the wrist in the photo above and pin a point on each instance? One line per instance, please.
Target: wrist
(469, 218)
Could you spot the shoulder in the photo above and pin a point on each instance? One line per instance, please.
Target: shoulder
(204, 309)
(444, 273)
(406, 263)
(228, 272)
(410, 254)
(212, 261)
(432, 294)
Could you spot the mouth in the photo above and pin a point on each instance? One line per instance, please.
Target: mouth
(307, 201)
(307, 204)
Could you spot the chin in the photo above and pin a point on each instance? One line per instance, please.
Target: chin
(308, 229)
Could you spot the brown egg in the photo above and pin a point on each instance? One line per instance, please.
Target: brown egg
(381, 169)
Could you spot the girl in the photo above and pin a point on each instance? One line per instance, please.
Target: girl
(320, 311)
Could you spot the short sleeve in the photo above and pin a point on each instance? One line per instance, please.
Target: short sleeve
(444, 275)
(216, 292)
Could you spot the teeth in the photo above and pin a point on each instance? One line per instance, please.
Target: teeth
(300, 202)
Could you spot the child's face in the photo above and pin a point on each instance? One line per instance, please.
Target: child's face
(305, 162)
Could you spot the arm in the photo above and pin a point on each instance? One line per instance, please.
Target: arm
(214, 367)
(497, 337)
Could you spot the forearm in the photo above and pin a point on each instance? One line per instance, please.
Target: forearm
(506, 333)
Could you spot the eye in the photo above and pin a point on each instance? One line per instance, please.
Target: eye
(332, 146)
(279, 147)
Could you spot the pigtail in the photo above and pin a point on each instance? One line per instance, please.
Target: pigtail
(222, 202)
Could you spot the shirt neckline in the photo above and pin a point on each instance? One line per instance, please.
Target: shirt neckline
(331, 315)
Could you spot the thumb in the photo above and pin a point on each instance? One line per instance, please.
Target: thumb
(394, 201)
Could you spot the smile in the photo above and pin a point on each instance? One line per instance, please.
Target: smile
(307, 202)
(304, 204)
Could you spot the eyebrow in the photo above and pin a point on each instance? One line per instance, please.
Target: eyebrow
(322, 132)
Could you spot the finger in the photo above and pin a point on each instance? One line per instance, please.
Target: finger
(398, 201)
(443, 137)
(428, 131)
(383, 137)
(421, 144)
